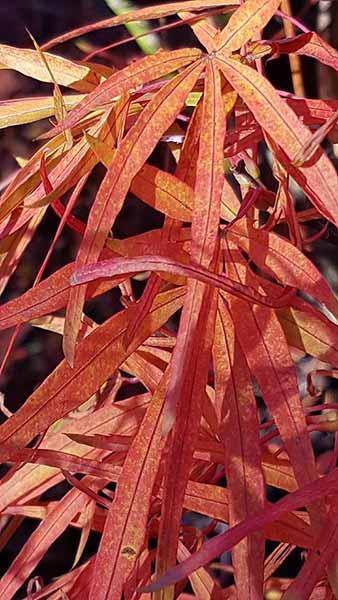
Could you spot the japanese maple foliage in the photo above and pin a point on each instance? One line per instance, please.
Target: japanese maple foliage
(230, 258)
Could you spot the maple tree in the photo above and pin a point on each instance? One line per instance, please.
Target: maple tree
(249, 299)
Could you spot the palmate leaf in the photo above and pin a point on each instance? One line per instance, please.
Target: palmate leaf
(211, 251)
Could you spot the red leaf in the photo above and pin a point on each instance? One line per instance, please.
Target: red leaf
(115, 267)
(324, 549)
(41, 539)
(53, 458)
(309, 44)
(319, 180)
(124, 531)
(326, 486)
(243, 466)
(190, 359)
(29, 481)
(189, 369)
(264, 346)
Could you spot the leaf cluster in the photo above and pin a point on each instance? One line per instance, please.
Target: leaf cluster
(230, 259)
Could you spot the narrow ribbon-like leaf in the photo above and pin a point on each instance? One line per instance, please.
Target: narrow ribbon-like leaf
(28, 110)
(125, 526)
(126, 80)
(242, 452)
(277, 255)
(149, 12)
(114, 267)
(310, 44)
(247, 20)
(65, 71)
(190, 360)
(313, 336)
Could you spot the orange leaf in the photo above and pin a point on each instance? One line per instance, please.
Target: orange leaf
(164, 192)
(314, 336)
(246, 21)
(209, 171)
(126, 80)
(115, 267)
(203, 30)
(65, 72)
(27, 110)
(63, 175)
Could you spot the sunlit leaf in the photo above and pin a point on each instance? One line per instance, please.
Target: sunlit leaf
(249, 18)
